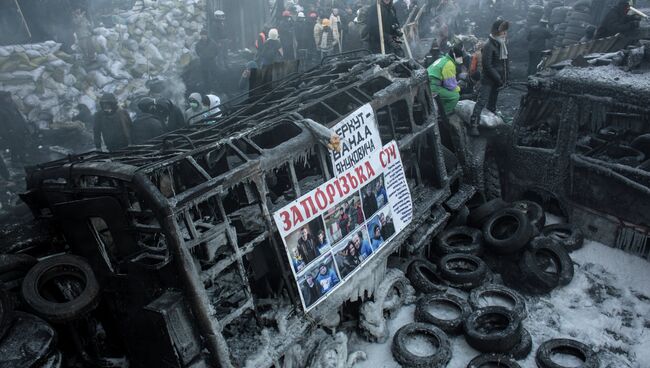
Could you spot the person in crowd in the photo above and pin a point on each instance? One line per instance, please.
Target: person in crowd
(476, 63)
(310, 292)
(326, 278)
(348, 259)
(304, 40)
(442, 78)
(195, 110)
(537, 37)
(15, 134)
(387, 226)
(590, 32)
(363, 247)
(272, 50)
(211, 104)
(376, 238)
(171, 116)
(83, 31)
(391, 28)
(83, 115)
(494, 72)
(306, 245)
(247, 76)
(326, 40)
(343, 221)
(220, 37)
(323, 244)
(369, 201)
(618, 21)
(352, 40)
(207, 51)
(145, 126)
(286, 30)
(380, 194)
(335, 24)
(112, 125)
(401, 10)
(297, 261)
(260, 41)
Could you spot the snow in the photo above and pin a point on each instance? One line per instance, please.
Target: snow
(606, 306)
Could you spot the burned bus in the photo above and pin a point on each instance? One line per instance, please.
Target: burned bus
(180, 235)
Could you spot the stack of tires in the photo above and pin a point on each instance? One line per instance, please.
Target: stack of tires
(557, 23)
(461, 293)
(34, 297)
(577, 21)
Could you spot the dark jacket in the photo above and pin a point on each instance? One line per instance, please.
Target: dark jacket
(114, 128)
(270, 53)
(286, 32)
(171, 116)
(494, 71)
(146, 126)
(305, 35)
(616, 21)
(352, 41)
(537, 36)
(390, 27)
(207, 50)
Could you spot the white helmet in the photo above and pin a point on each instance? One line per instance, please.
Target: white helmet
(219, 14)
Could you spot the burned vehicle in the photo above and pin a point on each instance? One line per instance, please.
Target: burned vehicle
(171, 252)
(581, 142)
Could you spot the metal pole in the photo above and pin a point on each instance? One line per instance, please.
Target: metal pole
(381, 28)
(22, 17)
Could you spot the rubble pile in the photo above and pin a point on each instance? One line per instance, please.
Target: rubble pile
(152, 40)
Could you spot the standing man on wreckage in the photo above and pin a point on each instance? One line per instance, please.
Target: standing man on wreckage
(494, 73)
(392, 32)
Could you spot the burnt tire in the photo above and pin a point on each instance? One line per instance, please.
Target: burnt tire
(6, 311)
(451, 326)
(569, 236)
(423, 275)
(534, 212)
(492, 184)
(460, 239)
(492, 330)
(407, 358)
(478, 298)
(535, 262)
(524, 347)
(13, 268)
(459, 218)
(463, 269)
(493, 361)
(507, 231)
(81, 294)
(480, 214)
(566, 346)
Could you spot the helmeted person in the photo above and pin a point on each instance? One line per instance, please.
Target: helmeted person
(145, 125)
(494, 71)
(207, 51)
(286, 30)
(271, 52)
(442, 78)
(326, 39)
(304, 35)
(537, 36)
(195, 110)
(352, 40)
(170, 115)
(617, 21)
(219, 34)
(391, 28)
(111, 124)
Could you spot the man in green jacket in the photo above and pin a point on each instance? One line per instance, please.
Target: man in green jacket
(442, 78)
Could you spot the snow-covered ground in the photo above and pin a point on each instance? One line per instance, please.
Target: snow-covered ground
(607, 306)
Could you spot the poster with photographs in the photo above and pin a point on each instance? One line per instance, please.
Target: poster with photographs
(332, 231)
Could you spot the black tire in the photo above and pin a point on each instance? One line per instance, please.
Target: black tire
(6, 311)
(507, 231)
(524, 347)
(453, 326)
(477, 298)
(535, 261)
(459, 218)
(459, 239)
(480, 214)
(13, 268)
(492, 330)
(463, 269)
(63, 309)
(534, 212)
(493, 360)
(423, 275)
(492, 178)
(406, 358)
(642, 144)
(566, 346)
(569, 236)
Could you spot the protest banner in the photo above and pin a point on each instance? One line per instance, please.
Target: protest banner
(359, 139)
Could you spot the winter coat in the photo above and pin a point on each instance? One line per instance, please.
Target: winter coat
(145, 127)
(304, 35)
(352, 39)
(326, 39)
(194, 115)
(494, 71)
(171, 116)
(207, 50)
(270, 53)
(537, 36)
(114, 129)
(390, 26)
(286, 30)
(616, 21)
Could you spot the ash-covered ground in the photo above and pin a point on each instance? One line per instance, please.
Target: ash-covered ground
(606, 305)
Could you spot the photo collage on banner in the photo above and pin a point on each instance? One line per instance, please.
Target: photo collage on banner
(330, 232)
